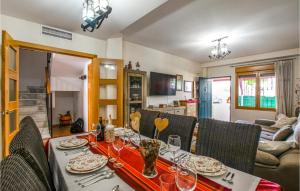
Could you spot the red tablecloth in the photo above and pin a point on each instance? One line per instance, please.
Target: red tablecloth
(131, 173)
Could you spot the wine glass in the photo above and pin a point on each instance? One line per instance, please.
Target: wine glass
(128, 134)
(186, 178)
(174, 144)
(94, 133)
(118, 145)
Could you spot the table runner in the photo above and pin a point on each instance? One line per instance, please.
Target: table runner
(133, 166)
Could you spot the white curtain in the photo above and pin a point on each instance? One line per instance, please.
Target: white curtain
(284, 86)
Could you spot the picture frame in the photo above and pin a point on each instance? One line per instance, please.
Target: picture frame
(188, 86)
(179, 82)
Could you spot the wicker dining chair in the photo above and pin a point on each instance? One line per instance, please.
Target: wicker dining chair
(17, 175)
(234, 144)
(28, 145)
(147, 127)
(28, 124)
(179, 125)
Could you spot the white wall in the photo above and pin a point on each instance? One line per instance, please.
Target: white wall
(31, 32)
(114, 48)
(28, 60)
(249, 115)
(157, 61)
(1, 87)
(64, 101)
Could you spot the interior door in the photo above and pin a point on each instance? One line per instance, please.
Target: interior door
(205, 98)
(10, 90)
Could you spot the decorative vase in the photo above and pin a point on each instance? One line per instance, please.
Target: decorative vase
(149, 150)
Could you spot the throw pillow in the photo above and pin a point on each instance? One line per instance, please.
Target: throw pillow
(283, 121)
(266, 158)
(283, 133)
(297, 134)
(275, 148)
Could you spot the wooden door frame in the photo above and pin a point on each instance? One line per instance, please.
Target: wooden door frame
(92, 116)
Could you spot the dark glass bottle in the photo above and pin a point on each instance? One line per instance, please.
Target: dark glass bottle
(101, 126)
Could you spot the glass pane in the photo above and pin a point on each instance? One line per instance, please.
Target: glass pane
(247, 90)
(12, 90)
(135, 85)
(268, 91)
(108, 92)
(108, 71)
(12, 58)
(12, 121)
(107, 110)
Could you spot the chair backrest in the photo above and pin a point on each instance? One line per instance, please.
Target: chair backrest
(147, 127)
(28, 124)
(179, 125)
(234, 144)
(28, 144)
(17, 175)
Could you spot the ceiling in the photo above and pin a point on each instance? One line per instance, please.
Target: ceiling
(68, 66)
(66, 14)
(184, 28)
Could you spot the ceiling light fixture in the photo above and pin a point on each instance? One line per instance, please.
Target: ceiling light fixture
(93, 14)
(219, 51)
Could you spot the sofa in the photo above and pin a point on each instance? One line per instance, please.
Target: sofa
(285, 170)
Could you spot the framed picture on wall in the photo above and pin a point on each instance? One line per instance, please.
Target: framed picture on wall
(179, 82)
(188, 86)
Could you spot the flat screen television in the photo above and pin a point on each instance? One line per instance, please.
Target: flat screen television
(162, 84)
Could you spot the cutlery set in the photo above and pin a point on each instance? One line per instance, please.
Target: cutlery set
(229, 180)
(94, 178)
(84, 150)
(180, 157)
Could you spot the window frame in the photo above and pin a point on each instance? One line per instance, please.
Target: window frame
(252, 70)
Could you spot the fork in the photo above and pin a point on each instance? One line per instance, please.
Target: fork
(225, 177)
(107, 176)
(231, 179)
(92, 175)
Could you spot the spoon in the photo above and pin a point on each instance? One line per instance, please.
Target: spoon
(116, 188)
(109, 175)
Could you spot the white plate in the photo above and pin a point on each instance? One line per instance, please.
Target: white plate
(222, 169)
(70, 169)
(73, 142)
(74, 147)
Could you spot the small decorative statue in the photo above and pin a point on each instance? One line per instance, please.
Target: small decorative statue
(137, 65)
(129, 65)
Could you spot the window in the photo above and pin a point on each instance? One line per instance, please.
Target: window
(256, 88)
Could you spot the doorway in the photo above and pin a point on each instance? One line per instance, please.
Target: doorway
(214, 98)
(10, 84)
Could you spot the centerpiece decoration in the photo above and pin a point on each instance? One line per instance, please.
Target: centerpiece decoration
(149, 148)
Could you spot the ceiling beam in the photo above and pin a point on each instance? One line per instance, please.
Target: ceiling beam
(162, 11)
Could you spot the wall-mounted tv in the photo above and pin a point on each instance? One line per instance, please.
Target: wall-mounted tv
(162, 84)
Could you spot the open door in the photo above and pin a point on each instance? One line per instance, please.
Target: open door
(205, 98)
(10, 90)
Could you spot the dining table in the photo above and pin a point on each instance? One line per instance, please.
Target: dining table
(130, 177)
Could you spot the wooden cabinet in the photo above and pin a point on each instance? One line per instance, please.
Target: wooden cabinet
(181, 110)
(135, 91)
(191, 107)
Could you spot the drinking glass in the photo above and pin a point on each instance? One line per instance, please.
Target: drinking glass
(118, 145)
(167, 182)
(128, 134)
(186, 178)
(94, 133)
(174, 144)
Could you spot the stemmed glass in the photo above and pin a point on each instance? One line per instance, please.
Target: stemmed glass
(95, 132)
(128, 134)
(174, 144)
(118, 145)
(186, 178)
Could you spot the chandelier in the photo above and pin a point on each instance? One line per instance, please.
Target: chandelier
(219, 51)
(93, 14)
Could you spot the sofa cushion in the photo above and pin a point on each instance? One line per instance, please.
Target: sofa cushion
(275, 148)
(283, 121)
(283, 133)
(266, 158)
